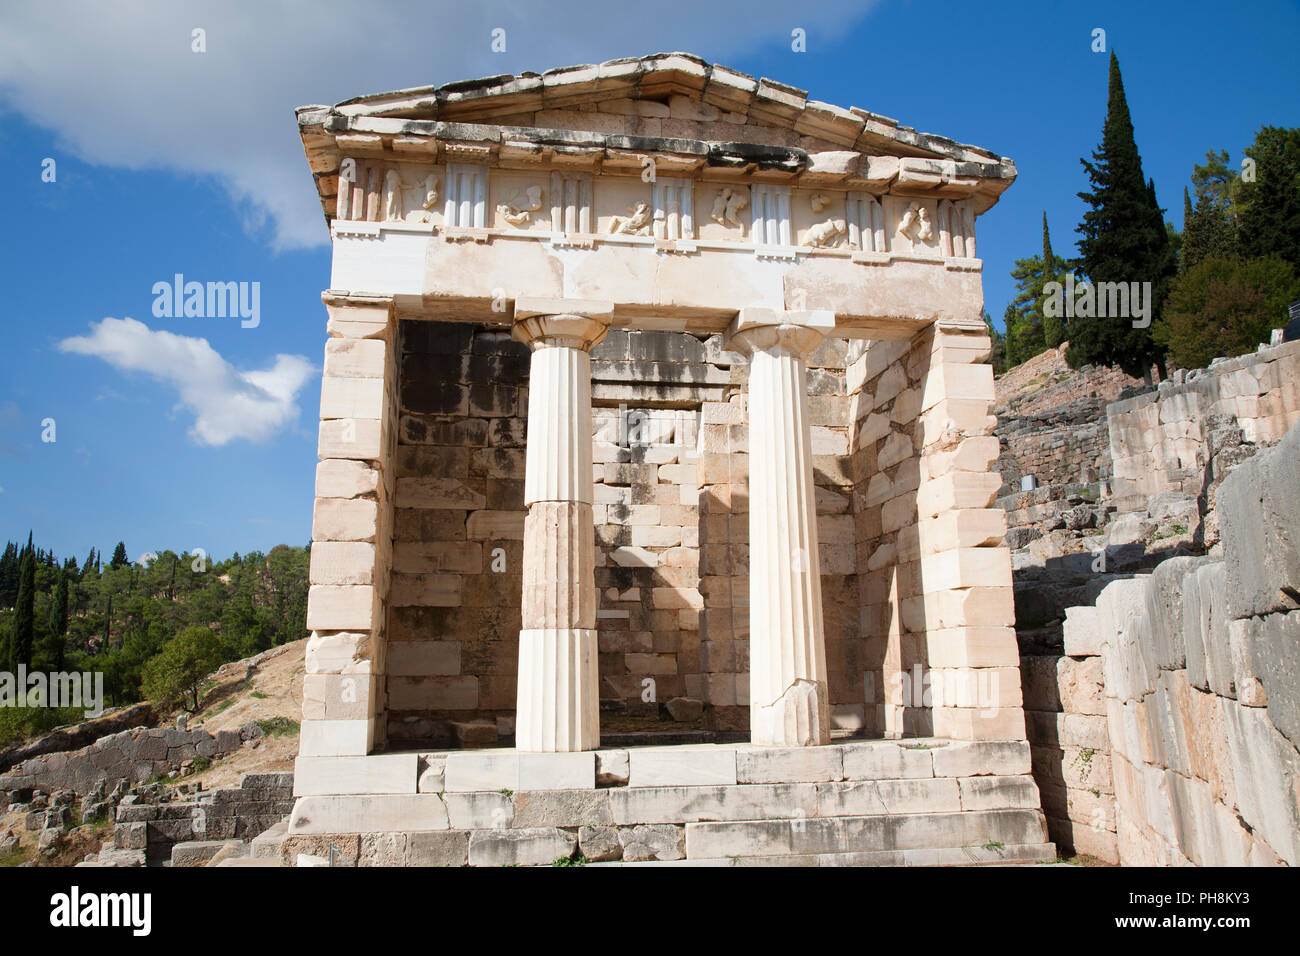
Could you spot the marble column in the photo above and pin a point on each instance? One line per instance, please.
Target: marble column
(559, 694)
(789, 704)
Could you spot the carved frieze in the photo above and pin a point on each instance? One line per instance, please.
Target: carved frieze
(728, 204)
(579, 206)
(519, 211)
(635, 223)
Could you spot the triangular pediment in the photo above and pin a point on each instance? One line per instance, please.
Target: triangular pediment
(673, 95)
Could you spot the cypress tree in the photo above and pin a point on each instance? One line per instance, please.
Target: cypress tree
(24, 629)
(120, 560)
(59, 619)
(1053, 326)
(1123, 240)
(9, 575)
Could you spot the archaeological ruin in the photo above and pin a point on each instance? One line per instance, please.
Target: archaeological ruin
(655, 390)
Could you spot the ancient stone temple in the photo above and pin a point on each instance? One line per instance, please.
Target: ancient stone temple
(656, 390)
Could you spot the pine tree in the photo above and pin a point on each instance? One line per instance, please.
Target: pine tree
(1123, 240)
(24, 627)
(1270, 206)
(1210, 226)
(120, 560)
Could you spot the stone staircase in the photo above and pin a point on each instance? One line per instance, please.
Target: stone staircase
(920, 802)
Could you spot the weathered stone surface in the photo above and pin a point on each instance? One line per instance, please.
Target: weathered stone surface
(434, 848)
(653, 842)
(1259, 513)
(599, 843)
(529, 847)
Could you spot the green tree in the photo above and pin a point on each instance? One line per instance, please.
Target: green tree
(59, 621)
(1225, 307)
(1270, 206)
(176, 674)
(998, 346)
(1054, 269)
(1123, 239)
(24, 626)
(1210, 227)
(120, 560)
(9, 575)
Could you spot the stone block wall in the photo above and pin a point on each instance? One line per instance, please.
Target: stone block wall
(426, 543)
(647, 391)
(135, 756)
(1065, 717)
(1160, 441)
(352, 531)
(458, 529)
(227, 813)
(671, 521)
(1202, 690)
(934, 576)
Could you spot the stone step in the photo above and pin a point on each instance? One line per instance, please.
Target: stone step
(248, 861)
(199, 852)
(266, 845)
(1011, 855)
(989, 829)
(671, 738)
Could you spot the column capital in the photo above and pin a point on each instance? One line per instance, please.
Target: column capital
(356, 315)
(774, 330)
(542, 322)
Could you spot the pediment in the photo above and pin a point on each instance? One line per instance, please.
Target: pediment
(674, 95)
(697, 120)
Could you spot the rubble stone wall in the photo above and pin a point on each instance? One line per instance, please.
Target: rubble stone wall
(1070, 446)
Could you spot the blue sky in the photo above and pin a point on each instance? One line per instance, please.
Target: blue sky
(171, 161)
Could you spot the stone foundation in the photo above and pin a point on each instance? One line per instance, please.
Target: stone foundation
(923, 801)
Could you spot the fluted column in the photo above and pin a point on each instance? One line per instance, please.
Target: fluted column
(559, 693)
(789, 704)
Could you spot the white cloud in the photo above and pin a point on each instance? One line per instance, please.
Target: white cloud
(120, 86)
(227, 403)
